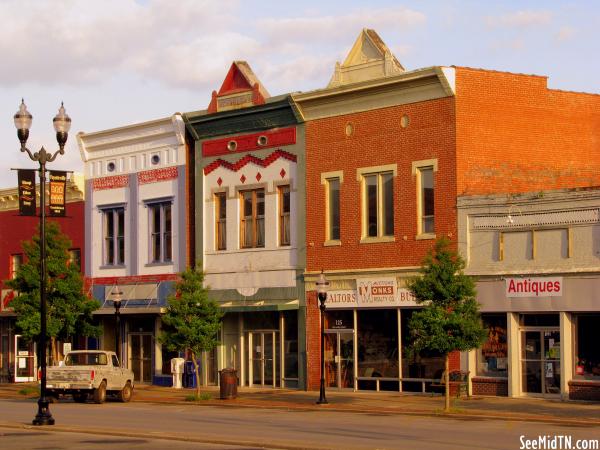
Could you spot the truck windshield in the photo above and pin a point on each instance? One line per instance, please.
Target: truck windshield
(86, 359)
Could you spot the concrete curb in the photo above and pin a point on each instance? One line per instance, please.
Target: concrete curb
(159, 436)
(460, 415)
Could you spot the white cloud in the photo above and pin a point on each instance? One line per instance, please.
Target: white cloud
(334, 28)
(520, 19)
(565, 33)
(188, 44)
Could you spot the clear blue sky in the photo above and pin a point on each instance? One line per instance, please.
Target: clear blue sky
(118, 62)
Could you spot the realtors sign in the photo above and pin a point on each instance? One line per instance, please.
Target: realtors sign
(534, 287)
(372, 293)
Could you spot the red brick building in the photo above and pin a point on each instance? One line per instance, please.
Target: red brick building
(388, 153)
(14, 229)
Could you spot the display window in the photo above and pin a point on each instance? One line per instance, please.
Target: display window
(492, 356)
(423, 365)
(378, 343)
(587, 351)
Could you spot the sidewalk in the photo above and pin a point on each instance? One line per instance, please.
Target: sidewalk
(519, 409)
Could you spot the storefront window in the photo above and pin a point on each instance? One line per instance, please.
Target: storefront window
(339, 320)
(587, 351)
(428, 365)
(290, 342)
(492, 357)
(378, 343)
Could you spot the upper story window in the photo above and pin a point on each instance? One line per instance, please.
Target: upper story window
(221, 221)
(426, 200)
(16, 261)
(252, 218)
(333, 209)
(114, 236)
(75, 257)
(284, 214)
(378, 204)
(160, 232)
(424, 173)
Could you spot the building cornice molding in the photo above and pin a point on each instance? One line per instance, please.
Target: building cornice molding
(165, 132)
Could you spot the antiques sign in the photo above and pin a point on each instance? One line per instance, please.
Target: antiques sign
(26, 192)
(534, 287)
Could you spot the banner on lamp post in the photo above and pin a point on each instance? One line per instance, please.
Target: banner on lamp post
(58, 185)
(26, 192)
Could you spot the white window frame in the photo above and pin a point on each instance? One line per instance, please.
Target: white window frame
(326, 179)
(379, 172)
(417, 168)
(104, 211)
(162, 233)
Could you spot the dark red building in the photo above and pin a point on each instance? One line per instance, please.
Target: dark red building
(17, 358)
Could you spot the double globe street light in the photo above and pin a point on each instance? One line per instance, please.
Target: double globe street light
(322, 285)
(62, 125)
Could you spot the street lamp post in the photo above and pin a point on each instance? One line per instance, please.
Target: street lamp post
(62, 124)
(322, 285)
(117, 303)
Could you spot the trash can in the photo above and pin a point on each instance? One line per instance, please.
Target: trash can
(228, 382)
(189, 378)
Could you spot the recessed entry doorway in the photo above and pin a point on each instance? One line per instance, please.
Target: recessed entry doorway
(263, 363)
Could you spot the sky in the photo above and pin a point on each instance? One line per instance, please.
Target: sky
(120, 62)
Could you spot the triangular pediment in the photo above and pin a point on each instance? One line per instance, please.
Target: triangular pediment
(368, 59)
(240, 89)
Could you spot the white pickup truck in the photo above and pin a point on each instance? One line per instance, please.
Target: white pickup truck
(86, 373)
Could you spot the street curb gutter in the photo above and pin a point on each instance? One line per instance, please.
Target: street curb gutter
(159, 436)
(476, 415)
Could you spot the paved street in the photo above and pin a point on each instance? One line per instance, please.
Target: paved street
(267, 428)
(35, 438)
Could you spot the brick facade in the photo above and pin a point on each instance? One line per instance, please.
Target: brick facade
(378, 139)
(584, 390)
(313, 341)
(513, 134)
(490, 386)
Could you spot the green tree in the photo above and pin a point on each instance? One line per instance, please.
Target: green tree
(69, 309)
(192, 320)
(450, 320)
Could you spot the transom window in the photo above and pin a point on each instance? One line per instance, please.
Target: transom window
(160, 232)
(378, 204)
(221, 221)
(284, 215)
(252, 218)
(114, 236)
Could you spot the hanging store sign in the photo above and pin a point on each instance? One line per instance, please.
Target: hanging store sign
(26, 192)
(372, 293)
(534, 287)
(58, 187)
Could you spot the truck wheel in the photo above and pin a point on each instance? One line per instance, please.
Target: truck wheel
(100, 393)
(125, 394)
(80, 398)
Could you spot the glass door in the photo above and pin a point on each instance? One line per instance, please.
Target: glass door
(24, 360)
(339, 359)
(263, 350)
(140, 356)
(540, 361)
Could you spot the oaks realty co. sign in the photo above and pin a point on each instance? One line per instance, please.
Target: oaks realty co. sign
(372, 293)
(534, 287)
